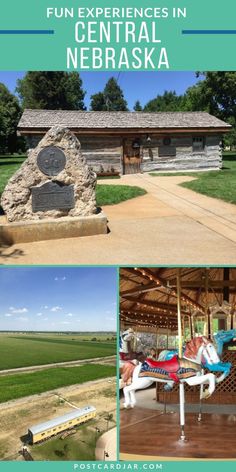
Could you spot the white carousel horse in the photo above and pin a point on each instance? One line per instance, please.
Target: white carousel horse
(176, 370)
(220, 339)
(127, 352)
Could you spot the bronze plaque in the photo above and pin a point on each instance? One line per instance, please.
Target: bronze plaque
(166, 151)
(51, 160)
(52, 196)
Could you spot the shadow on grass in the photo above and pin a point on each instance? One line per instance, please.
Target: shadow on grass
(10, 163)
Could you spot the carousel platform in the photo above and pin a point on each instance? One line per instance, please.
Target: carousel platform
(147, 434)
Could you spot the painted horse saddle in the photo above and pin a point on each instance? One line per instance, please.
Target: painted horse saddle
(173, 369)
(171, 365)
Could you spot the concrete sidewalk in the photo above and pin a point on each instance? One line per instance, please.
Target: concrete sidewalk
(107, 444)
(170, 225)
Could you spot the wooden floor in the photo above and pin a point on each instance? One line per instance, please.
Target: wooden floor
(145, 432)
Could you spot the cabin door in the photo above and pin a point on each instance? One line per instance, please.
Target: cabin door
(131, 157)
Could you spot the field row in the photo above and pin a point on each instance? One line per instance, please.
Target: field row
(26, 351)
(22, 385)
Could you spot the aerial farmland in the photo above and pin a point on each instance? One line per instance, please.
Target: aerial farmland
(46, 375)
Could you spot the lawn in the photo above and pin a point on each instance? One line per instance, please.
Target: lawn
(28, 350)
(21, 385)
(113, 194)
(106, 194)
(8, 166)
(80, 447)
(218, 184)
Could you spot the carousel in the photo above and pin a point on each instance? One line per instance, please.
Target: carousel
(177, 363)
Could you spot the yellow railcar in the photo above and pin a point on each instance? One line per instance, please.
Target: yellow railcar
(46, 430)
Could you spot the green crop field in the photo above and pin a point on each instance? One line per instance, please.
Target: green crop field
(28, 350)
(21, 385)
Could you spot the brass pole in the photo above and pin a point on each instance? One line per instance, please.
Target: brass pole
(206, 303)
(179, 313)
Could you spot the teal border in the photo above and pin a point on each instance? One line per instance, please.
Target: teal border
(163, 465)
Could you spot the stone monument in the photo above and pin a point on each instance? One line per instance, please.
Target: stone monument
(52, 195)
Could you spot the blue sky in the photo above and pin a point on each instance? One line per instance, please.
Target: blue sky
(136, 85)
(58, 298)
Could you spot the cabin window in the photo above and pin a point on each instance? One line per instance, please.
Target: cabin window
(42, 434)
(198, 144)
(54, 429)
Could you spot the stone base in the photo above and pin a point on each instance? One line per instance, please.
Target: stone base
(43, 230)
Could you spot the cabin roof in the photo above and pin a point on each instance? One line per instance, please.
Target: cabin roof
(39, 428)
(45, 119)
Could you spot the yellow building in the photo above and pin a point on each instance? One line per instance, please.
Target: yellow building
(43, 431)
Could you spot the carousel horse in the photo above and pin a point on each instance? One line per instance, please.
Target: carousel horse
(176, 370)
(128, 357)
(126, 352)
(220, 339)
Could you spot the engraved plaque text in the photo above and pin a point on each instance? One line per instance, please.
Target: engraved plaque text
(52, 196)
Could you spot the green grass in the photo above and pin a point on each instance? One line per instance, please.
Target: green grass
(8, 166)
(21, 385)
(218, 184)
(80, 447)
(105, 194)
(25, 350)
(113, 194)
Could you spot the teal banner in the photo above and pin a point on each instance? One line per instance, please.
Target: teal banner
(118, 35)
(181, 466)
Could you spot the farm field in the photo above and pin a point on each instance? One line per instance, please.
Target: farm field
(17, 417)
(19, 350)
(22, 385)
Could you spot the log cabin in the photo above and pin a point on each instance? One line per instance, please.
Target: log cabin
(133, 142)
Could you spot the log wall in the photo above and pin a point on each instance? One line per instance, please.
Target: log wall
(105, 153)
(184, 158)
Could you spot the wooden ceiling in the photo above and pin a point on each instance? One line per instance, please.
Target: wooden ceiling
(148, 296)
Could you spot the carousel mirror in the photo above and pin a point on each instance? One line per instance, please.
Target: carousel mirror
(234, 320)
(199, 324)
(220, 317)
(186, 328)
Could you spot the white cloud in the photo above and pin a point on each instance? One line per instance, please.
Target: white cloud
(78, 321)
(45, 307)
(65, 322)
(39, 314)
(59, 278)
(22, 318)
(69, 314)
(8, 314)
(110, 318)
(45, 319)
(56, 308)
(18, 310)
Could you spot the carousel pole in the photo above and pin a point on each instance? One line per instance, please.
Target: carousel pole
(208, 332)
(180, 352)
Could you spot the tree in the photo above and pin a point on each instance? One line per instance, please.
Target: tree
(169, 101)
(111, 99)
(10, 112)
(98, 102)
(51, 90)
(138, 106)
(216, 93)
